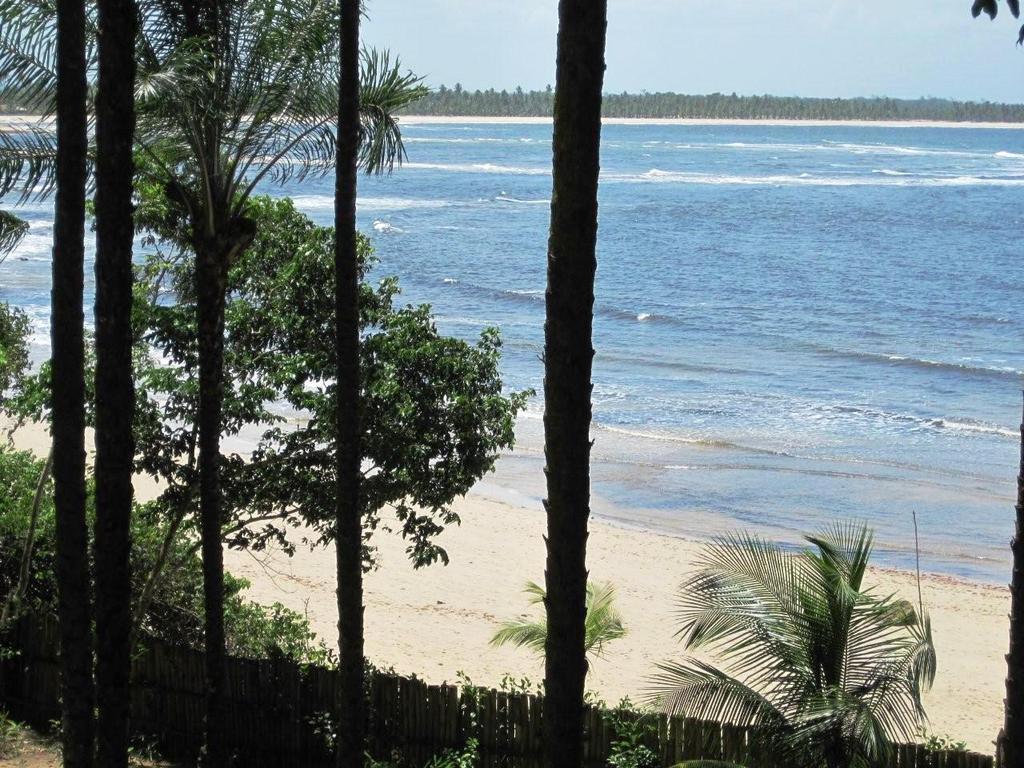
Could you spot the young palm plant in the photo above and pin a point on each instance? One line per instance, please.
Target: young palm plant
(831, 672)
(603, 624)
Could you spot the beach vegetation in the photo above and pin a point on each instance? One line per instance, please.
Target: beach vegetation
(433, 410)
(175, 608)
(14, 346)
(632, 729)
(831, 671)
(941, 742)
(602, 625)
(517, 102)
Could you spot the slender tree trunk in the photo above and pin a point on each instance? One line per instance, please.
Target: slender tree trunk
(1011, 738)
(211, 279)
(568, 358)
(154, 576)
(67, 336)
(13, 605)
(348, 521)
(115, 391)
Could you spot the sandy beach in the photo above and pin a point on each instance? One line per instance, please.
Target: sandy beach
(438, 621)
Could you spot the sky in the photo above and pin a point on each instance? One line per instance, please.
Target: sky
(821, 48)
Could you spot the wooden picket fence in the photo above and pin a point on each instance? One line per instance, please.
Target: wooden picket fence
(278, 712)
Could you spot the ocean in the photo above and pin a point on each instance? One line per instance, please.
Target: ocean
(794, 324)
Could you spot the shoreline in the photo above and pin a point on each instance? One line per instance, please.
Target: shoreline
(437, 622)
(693, 121)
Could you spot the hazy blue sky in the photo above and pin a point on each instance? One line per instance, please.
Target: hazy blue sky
(786, 47)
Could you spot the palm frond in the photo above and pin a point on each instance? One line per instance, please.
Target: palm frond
(522, 634)
(602, 624)
(12, 230)
(28, 155)
(28, 30)
(384, 90)
(836, 665)
(700, 690)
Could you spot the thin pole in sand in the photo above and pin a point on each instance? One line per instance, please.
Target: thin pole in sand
(917, 562)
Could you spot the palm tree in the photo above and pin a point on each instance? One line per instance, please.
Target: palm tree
(603, 623)
(68, 343)
(228, 97)
(832, 672)
(1010, 743)
(115, 394)
(568, 359)
(348, 517)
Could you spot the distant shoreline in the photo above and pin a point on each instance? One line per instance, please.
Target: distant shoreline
(490, 120)
(14, 122)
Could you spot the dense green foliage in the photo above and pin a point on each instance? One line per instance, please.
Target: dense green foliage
(832, 672)
(175, 612)
(433, 414)
(714, 106)
(14, 325)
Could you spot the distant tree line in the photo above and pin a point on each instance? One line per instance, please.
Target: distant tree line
(520, 103)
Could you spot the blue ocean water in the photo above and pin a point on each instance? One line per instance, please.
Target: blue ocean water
(794, 324)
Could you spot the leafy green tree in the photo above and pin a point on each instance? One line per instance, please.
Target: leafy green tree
(829, 670)
(568, 362)
(14, 360)
(603, 623)
(434, 415)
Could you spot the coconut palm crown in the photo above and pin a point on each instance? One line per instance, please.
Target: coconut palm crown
(831, 671)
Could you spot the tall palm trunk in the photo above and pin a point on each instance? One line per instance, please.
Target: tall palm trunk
(115, 394)
(211, 283)
(348, 523)
(568, 358)
(67, 335)
(1011, 739)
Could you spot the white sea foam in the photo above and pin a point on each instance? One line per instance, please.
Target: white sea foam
(460, 140)
(521, 201)
(1010, 155)
(511, 170)
(657, 175)
(973, 426)
(644, 316)
(385, 228)
(326, 203)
